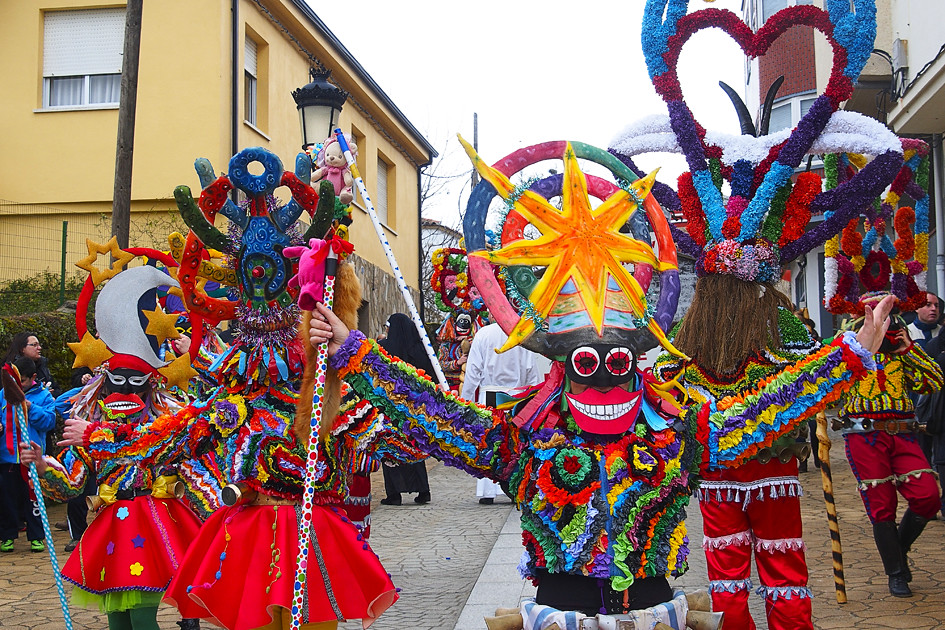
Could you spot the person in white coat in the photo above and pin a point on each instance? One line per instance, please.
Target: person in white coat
(487, 372)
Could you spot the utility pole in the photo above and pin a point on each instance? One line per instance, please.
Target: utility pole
(124, 153)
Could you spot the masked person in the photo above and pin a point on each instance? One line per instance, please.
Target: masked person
(879, 430)
(127, 556)
(601, 458)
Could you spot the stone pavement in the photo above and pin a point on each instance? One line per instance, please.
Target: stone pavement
(455, 561)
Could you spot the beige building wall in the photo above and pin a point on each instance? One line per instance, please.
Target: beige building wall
(59, 165)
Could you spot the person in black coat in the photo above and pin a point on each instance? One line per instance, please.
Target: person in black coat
(403, 341)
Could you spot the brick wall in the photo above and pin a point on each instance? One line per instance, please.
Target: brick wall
(791, 55)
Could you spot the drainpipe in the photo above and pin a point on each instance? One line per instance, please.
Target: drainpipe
(938, 164)
(235, 72)
(423, 317)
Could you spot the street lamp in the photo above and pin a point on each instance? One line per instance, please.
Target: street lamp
(319, 105)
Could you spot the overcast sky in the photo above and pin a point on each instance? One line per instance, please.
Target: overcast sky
(533, 71)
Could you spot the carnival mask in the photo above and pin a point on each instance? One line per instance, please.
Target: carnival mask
(124, 391)
(604, 398)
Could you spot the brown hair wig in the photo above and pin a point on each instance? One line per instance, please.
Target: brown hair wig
(346, 304)
(729, 320)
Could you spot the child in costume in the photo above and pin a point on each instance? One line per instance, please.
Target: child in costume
(602, 458)
(247, 433)
(127, 556)
(15, 491)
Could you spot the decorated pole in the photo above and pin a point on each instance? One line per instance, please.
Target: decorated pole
(823, 452)
(307, 537)
(379, 229)
(16, 399)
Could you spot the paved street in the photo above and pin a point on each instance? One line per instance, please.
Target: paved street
(455, 560)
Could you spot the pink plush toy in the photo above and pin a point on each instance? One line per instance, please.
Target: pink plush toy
(333, 167)
(311, 276)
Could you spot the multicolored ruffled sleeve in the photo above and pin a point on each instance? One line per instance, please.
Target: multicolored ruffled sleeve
(67, 474)
(741, 425)
(923, 375)
(166, 439)
(455, 431)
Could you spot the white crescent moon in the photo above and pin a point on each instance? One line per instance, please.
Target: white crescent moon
(116, 312)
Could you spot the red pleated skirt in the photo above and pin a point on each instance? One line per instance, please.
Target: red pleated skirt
(133, 544)
(241, 568)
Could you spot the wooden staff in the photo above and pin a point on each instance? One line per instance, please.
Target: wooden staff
(823, 452)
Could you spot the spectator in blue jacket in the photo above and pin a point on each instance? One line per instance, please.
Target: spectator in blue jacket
(14, 488)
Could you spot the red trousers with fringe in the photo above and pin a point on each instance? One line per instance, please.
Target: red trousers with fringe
(756, 506)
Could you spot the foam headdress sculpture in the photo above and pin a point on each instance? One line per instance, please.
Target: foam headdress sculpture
(583, 291)
(130, 324)
(863, 262)
(761, 226)
(266, 350)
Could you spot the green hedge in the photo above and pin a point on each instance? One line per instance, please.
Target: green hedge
(54, 330)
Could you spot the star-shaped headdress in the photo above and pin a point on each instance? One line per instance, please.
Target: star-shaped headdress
(584, 277)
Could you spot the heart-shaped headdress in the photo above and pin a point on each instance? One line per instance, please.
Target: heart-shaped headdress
(761, 226)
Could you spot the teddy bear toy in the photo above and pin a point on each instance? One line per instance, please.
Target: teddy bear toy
(332, 166)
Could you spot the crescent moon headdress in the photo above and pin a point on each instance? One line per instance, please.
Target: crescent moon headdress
(130, 323)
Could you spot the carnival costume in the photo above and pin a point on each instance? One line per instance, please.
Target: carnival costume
(740, 244)
(465, 310)
(755, 506)
(878, 417)
(602, 472)
(132, 548)
(246, 434)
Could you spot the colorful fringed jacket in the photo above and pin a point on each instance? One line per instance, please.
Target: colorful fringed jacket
(603, 506)
(705, 386)
(245, 437)
(884, 394)
(106, 454)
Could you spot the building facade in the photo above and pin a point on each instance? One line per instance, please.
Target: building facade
(902, 85)
(214, 77)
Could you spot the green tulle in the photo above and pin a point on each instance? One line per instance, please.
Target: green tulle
(116, 602)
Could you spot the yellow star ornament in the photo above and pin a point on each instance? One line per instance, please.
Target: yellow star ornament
(90, 352)
(162, 325)
(179, 372)
(121, 257)
(577, 243)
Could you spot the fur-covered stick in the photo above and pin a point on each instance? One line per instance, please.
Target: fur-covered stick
(346, 304)
(16, 403)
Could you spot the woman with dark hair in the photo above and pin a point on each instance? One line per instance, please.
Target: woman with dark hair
(403, 342)
(26, 344)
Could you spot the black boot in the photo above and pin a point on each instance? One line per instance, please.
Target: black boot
(890, 551)
(189, 624)
(909, 529)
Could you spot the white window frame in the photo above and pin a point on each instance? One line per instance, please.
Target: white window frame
(82, 39)
(251, 81)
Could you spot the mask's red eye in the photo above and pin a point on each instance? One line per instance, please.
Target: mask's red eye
(619, 361)
(585, 361)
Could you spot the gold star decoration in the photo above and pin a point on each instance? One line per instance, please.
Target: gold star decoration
(162, 325)
(577, 243)
(90, 352)
(179, 372)
(120, 256)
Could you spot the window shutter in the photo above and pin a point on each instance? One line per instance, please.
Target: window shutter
(381, 205)
(249, 56)
(87, 41)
